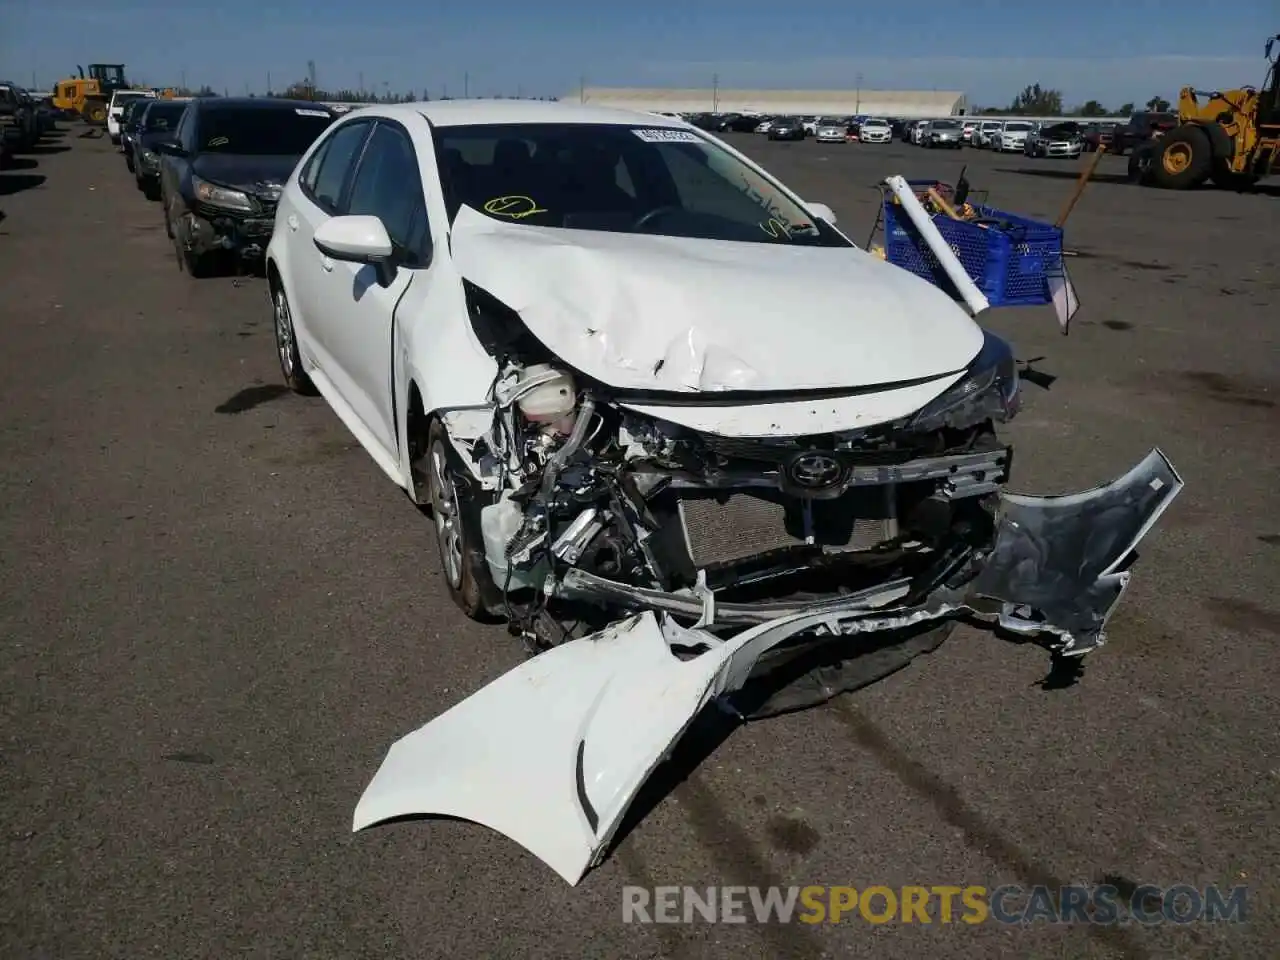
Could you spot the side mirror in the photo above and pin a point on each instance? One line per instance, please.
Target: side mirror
(822, 211)
(358, 239)
(170, 147)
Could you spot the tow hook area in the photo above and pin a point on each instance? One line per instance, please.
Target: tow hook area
(197, 235)
(200, 236)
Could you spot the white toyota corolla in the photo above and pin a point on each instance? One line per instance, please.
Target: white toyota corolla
(572, 335)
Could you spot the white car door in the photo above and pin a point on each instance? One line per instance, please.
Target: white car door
(360, 313)
(322, 186)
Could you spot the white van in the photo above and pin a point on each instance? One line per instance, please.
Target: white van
(116, 107)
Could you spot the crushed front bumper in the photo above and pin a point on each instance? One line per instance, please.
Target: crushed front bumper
(209, 230)
(553, 753)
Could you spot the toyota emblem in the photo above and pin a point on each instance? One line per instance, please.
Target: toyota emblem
(815, 471)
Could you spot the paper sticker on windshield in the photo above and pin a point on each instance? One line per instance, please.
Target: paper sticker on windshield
(310, 113)
(517, 207)
(661, 135)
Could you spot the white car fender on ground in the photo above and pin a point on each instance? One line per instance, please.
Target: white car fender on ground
(607, 708)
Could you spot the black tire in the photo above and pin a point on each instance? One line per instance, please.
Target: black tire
(1139, 168)
(455, 512)
(287, 346)
(1183, 159)
(1225, 179)
(198, 266)
(150, 189)
(128, 161)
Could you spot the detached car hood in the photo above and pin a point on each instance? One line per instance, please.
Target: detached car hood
(238, 170)
(678, 315)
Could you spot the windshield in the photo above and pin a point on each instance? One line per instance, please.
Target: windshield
(126, 97)
(261, 131)
(619, 179)
(875, 123)
(831, 122)
(162, 116)
(1062, 130)
(945, 124)
(1017, 127)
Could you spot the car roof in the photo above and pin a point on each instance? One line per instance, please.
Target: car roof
(466, 113)
(259, 103)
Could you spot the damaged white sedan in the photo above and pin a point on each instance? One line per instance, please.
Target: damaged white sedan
(572, 334)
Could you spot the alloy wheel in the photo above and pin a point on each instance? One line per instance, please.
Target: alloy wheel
(448, 515)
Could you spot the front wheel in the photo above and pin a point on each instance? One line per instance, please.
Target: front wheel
(287, 347)
(1183, 159)
(456, 512)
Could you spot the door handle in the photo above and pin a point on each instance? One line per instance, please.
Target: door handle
(292, 221)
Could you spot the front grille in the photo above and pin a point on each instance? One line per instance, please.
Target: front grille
(728, 528)
(747, 448)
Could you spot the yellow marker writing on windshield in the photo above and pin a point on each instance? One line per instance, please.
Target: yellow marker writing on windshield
(776, 228)
(516, 207)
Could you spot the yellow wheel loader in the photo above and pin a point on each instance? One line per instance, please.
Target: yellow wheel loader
(1231, 137)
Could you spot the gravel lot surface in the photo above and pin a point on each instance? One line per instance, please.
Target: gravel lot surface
(217, 615)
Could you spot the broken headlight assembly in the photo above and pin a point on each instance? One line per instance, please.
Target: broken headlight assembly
(987, 391)
(225, 197)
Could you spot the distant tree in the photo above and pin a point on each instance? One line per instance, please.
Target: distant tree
(1092, 108)
(1158, 105)
(426, 96)
(1036, 100)
(206, 91)
(1124, 110)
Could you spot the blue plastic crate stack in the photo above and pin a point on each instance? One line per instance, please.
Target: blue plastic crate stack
(1009, 257)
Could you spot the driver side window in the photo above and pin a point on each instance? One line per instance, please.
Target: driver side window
(388, 185)
(335, 157)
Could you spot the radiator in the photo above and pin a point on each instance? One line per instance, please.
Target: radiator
(731, 527)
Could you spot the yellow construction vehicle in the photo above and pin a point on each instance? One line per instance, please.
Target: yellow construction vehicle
(1231, 137)
(89, 96)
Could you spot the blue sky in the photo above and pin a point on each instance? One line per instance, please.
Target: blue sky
(1126, 50)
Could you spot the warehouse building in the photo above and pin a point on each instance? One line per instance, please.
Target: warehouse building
(852, 102)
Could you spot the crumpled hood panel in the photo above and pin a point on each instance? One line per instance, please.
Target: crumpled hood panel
(648, 312)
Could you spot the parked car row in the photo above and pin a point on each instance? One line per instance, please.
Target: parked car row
(24, 120)
(217, 166)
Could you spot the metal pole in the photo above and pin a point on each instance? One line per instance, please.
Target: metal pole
(715, 93)
(269, 88)
(582, 89)
(857, 108)
(361, 90)
(184, 81)
(466, 86)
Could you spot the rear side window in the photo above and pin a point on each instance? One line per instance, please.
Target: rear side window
(336, 158)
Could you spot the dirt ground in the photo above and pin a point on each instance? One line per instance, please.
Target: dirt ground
(218, 614)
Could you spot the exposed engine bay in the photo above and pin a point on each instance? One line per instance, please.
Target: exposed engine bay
(589, 510)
